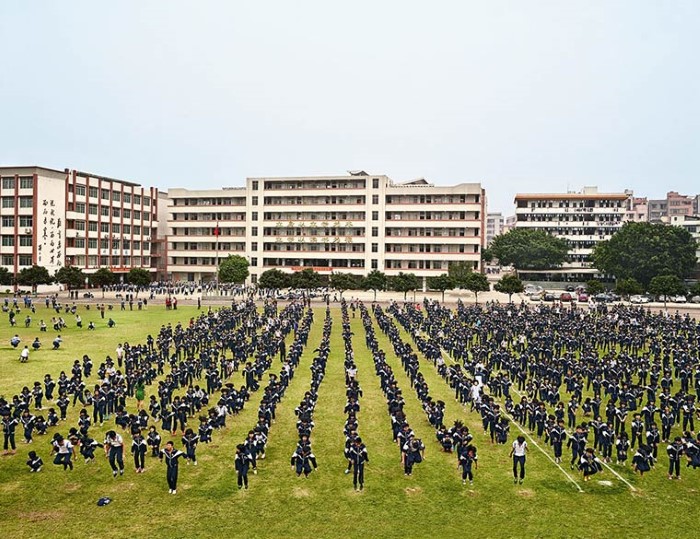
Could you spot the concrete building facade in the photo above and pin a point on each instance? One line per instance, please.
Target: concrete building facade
(56, 218)
(354, 223)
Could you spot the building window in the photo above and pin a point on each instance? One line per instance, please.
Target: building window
(92, 226)
(92, 209)
(375, 216)
(146, 201)
(104, 211)
(92, 243)
(116, 196)
(255, 201)
(375, 263)
(80, 225)
(126, 229)
(8, 183)
(8, 202)
(25, 260)
(127, 198)
(26, 202)
(80, 190)
(8, 260)
(8, 220)
(375, 247)
(80, 243)
(375, 231)
(127, 213)
(254, 246)
(116, 228)
(92, 192)
(104, 194)
(80, 207)
(137, 199)
(255, 185)
(104, 227)
(255, 231)
(375, 199)
(26, 182)
(8, 241)
(25, 241)
(254, 262)
(375, 183)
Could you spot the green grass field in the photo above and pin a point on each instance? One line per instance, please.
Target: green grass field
(431, 503)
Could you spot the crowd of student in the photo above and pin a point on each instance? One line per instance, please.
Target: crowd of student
(210, 349)
(625, 355)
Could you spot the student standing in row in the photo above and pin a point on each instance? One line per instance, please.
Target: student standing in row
(171, 455)
(114, 449)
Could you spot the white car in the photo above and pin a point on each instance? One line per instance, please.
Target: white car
(639, 299)
(679, 299)
(695, 299)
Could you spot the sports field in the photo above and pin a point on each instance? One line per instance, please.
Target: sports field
(431, 503)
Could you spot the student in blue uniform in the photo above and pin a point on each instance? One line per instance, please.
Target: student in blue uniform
(675, 453)
(189, 443)
(358, 456)
(114, 450)
(153, 440)
(642, 460)
(242, 463)
(139, 448)
(9, 424)
(589, 464)
(34, 462)
(557, 435)
(170, 456)
(414, 453)
(467, 461)
(622, 445)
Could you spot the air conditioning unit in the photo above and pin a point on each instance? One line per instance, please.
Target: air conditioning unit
(27, 230)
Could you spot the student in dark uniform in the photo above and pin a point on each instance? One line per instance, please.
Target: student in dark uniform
(153, 441)
(414, 453)
(114, 450)
(622, 445)
(642, 460)
(589, 464)
(9, 424)
(189, 443)
(242, 463)
(467, 461)
(675, 452)
(170, 456)
(34, 462)
(358, 456)
(139, 448)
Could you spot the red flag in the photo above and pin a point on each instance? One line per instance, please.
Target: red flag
(217, 230)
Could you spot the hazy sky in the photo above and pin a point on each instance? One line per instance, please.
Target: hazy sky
(520, 95)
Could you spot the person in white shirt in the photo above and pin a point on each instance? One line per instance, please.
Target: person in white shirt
(120, 355)
(518, 453)
(114, 450)
(24, 355)
(64, 451)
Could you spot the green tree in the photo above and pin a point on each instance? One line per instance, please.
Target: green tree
(70, 276)
(527, 249)
(644, 250)
(103, 277)
(306, 278)
(233, 269)
(477, 282)
(34, 276)
(345, 281)
(6, 277)
(404, 282)
(441, 283)
(460, 271)
(274, 279)
(509, 284)
(375, 280)
(695, 289)
(594, 286)
(139, 277)
(628, 287)
(666, 285)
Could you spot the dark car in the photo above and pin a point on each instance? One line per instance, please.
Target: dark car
(548, 297)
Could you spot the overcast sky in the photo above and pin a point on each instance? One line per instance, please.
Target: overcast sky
(523, 96)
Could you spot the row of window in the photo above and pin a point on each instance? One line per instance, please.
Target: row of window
(23, 260)
(116, 196)
(94, 261)
(126, 245)
(79, 207)
(24, 202)
(24, 241)
(25, 182)
(116, 228)
(24, 221)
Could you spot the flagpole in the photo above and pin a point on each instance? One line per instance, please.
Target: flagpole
(216, 233)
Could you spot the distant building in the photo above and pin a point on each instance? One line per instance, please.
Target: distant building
(54, 218)
(583, 219)
(692, 224)
(494, 226)
(637, 209)
(355, 224)
(673, 204)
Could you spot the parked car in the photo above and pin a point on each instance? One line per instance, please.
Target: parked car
(639, 299)
(583, 297)
(679, 299)
(565, 296)
(695, 299)
(548, 297)
(602, 298)
(536, 297)
(570, 288)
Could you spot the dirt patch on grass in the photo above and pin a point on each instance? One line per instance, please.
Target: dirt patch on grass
(41, 516)
(300, 492)
(413, 491)
(526, 493)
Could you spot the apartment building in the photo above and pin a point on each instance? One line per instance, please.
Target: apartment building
(354, 223)
(583, 219)
(54, 218)
(674, 204)
(494, 226)
(692, 224)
